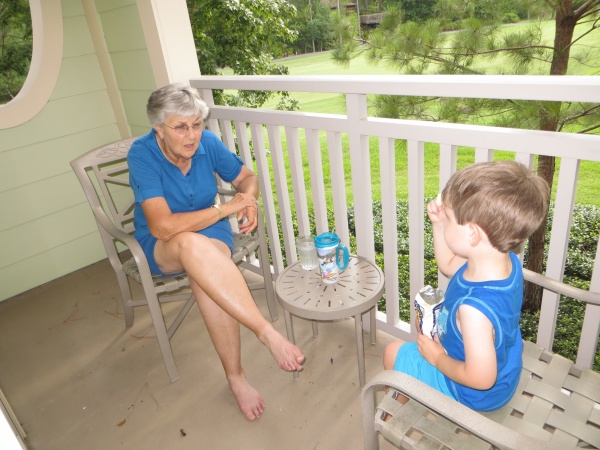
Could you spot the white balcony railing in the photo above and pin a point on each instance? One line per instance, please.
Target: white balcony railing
(277, 158)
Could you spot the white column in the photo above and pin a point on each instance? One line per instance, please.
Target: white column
(168, 33)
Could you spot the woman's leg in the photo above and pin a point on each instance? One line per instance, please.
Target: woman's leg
(224, 332)
(209, 265)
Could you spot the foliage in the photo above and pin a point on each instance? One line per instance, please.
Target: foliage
(583, 243)
(425, 46)
(314, 25)
(418, 10)
(244, 35)
(15, 47)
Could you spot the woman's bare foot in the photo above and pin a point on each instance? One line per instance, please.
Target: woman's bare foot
(248, 399)
(287, 355)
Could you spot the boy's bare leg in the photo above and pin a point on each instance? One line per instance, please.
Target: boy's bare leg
(389, 360)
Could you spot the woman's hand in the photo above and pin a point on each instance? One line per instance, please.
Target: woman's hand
(244, 205)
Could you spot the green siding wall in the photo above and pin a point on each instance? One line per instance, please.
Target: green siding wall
(46, 227)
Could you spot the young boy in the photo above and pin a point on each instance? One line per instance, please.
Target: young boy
(487, 210)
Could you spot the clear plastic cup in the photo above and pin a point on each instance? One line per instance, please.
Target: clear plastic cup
(307, 252)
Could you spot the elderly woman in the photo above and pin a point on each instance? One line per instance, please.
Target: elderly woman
(181, 229)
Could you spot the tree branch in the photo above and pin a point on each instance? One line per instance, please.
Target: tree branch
(594, 27)
(503, 49)
(586, 130)
(586, 9)
(574, 117)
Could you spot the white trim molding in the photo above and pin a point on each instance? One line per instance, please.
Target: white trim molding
(47, 24)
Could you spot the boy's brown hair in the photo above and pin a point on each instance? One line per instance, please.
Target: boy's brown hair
(504, 198)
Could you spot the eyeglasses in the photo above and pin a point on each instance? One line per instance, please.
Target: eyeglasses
(183, 128)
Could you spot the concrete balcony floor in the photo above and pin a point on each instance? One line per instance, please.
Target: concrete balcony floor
(76, 378)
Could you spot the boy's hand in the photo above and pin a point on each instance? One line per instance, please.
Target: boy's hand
(435, 210)
(430, 349)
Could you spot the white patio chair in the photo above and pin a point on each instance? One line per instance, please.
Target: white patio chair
(104, 176)
(556, 405)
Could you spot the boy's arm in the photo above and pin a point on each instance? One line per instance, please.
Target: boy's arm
(480, 368)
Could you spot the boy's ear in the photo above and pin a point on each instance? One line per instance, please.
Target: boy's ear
(476, 234)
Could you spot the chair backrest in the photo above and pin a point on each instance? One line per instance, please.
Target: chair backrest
(104, 176)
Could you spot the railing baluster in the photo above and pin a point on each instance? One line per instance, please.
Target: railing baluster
(283, 194)
(338, 185)
(260, 154)
(387, 165)
(298, 183)
(483, 155)
(448, 156)
(416, 219)
(557, 250)
(315, 163)
(591, 322)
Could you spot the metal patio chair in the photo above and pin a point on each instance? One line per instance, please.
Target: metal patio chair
(556, 405)
(104, 176)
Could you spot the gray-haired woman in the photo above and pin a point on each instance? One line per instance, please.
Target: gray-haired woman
(181, 229)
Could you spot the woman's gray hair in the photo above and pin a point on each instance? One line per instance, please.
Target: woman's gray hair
(177, 99)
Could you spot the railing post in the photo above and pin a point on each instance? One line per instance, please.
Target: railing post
(356, 105)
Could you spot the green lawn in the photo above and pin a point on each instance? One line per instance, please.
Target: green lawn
(322, 64)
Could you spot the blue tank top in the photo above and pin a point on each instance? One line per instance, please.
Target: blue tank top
(500, 301)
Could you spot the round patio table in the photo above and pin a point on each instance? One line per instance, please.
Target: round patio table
(302, 293)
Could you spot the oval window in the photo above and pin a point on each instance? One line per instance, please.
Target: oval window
(15, 48)
(37, 62)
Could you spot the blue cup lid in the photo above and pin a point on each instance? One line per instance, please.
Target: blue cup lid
(327, 239)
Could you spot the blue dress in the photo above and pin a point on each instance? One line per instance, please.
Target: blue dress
(151, 175)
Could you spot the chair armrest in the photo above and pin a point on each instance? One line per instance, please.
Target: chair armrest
(110, 229)
(561, 288)
(461, 415)
(227, 192)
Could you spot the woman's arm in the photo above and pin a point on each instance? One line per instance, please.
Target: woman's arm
(164, 224)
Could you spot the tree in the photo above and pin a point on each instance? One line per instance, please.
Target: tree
(418, 10)
(15, 47)
(244, 35)
(314, 25)
(419, 48)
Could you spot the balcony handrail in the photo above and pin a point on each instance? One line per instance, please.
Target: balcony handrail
(516, 87)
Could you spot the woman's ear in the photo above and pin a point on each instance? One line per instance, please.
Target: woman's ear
(159, 132)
